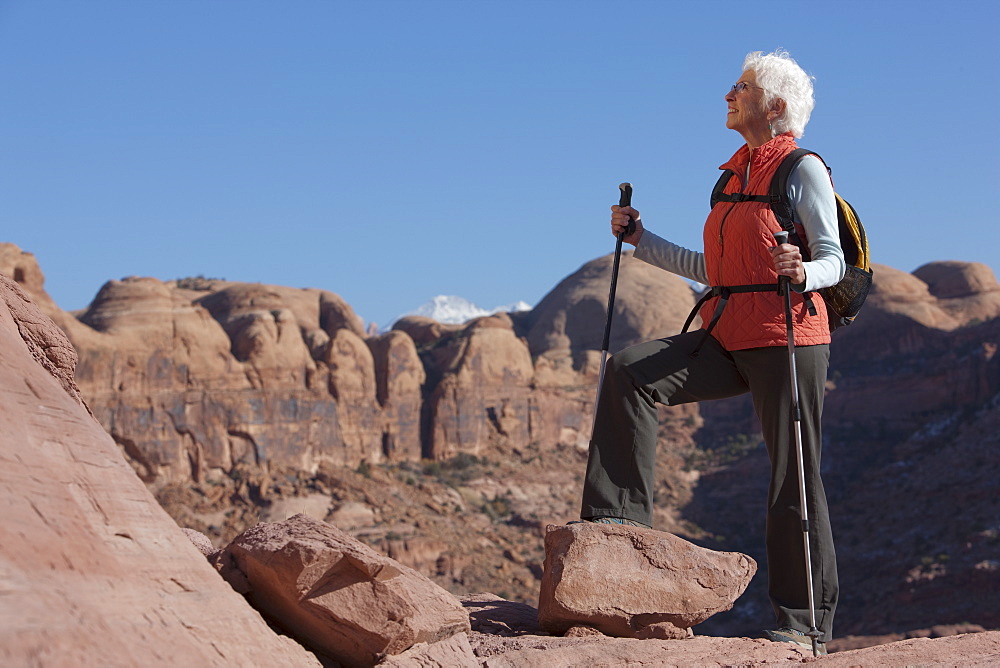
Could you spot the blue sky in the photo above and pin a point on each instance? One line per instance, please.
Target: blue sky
(394, 151)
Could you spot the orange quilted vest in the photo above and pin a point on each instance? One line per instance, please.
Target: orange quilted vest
(737, 238)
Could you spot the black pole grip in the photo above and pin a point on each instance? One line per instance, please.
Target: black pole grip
(626, 200)
(783, 281)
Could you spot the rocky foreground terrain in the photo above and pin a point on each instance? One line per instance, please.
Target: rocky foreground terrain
(450, 448)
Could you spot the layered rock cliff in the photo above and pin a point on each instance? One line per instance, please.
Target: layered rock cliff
(196, 377)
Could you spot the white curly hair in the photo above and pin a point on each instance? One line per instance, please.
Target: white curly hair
(782, 78)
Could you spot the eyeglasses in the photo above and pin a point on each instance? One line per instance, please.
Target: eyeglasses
(738, 87)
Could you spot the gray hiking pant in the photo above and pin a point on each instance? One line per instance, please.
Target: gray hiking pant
(620, 470)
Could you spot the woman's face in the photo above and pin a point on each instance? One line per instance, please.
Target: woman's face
(746, 113)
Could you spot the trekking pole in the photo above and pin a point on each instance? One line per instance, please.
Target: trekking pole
(624, 200)
(784, 289)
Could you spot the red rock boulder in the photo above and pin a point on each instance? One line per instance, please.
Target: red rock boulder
(635, 583)
(338, 595)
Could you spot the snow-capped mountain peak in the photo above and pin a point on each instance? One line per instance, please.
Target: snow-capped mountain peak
(455, 310)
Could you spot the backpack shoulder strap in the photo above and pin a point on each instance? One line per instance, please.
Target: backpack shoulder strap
(778, 193)
(782, 208)
(719, 196)
(720, 185)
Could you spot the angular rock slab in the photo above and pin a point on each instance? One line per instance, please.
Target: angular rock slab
(635, 583)
(338, 595)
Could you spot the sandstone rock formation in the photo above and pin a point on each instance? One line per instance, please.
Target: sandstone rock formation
(968, 291)
(486, 389)
(194, 378)
(92, 570)
(399, 377)
(22, 268)
(338, 595)
(197, 377)
(633, 582)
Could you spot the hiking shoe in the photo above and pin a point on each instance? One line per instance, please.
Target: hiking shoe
(618, 520)
(796, 638)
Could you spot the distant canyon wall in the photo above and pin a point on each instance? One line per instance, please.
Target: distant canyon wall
(197, 377)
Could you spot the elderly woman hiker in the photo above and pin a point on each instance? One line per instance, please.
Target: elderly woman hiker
(747, 348)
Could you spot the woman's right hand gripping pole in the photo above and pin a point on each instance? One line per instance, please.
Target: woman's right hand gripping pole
(619, 223)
